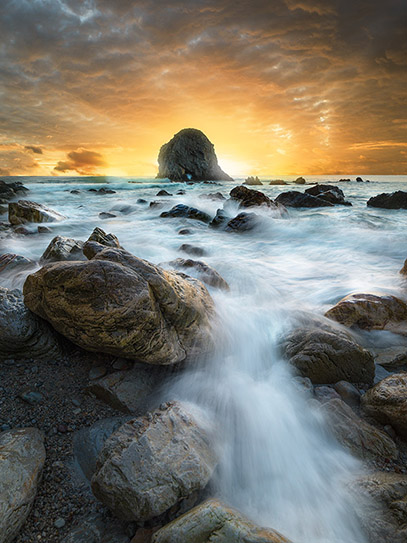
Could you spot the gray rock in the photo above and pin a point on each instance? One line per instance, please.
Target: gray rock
(10, 262)
(244, 222)
(348, 392)
(95, 528)
(328, 356)
(206, 273)
(215, 521)
(152, 463)
(23, 334)
(189, 156)
(22, 457)
(192, 249)
(61, 248)
(182, 210)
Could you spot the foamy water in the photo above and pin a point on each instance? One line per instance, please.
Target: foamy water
(279, 463)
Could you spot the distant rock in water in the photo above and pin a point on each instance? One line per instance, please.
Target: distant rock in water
(278, 182)
(252, 181)
(394, 200)
(294, 198)
(250, 198)
(330, 193)
(190, 156)
(300, 181)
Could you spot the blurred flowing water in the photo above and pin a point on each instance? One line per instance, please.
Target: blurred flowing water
(279, 463)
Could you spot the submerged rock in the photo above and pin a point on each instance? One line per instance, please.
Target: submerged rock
(24, 211)
(250, 198)
(293, 198)
(119, 304)
(206, 273)
(23, 334)
(8, 191)
(371, 312)
(182, 210)
(191, 249)
(22, 457)
(394, 200)
(154, 462)
(220, 219)
(61, 248)
(190, 156)
(252, 181)
(244, 222)
(328, 356)
(212, 520)
(300, 181)
(278, 182)
(12, 262)
(330, 193)
(386, 402)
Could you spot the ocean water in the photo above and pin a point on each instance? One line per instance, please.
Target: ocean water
(279, 463)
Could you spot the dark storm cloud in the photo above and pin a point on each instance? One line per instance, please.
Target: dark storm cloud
(95, 72)
(81, 161)
(34, 149)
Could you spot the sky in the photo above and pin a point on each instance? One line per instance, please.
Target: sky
(281, 87)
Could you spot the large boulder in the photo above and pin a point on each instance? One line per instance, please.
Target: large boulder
(361, 438)
(119, 304)
(387, 402)
(190, 156)
(23, 334)
(212, 520)
(328, 356)
(22, 457)
(154, 462)
(394, 200)
(371, 312)
(330, 193)
(250, 198)
(61, 248)
(25, 211)
(206, 273)
(182, 210)
(294, 198)
(384, 497)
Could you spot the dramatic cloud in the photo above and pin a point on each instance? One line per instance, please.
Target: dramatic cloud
(81, 161)
(34, 149)
(285, 86)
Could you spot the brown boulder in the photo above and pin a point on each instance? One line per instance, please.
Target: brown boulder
(62, 248)
(206, 273)
(25, 211)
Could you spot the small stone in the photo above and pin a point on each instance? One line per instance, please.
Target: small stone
(184, 232)
(32, 397)
(97, 372)
(59, 523)
(62, 428)
(76, 402)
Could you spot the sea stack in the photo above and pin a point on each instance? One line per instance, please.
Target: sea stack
(190, 156)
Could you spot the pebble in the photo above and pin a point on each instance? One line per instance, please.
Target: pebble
(32, 397)
(59, 523)
(97, 372)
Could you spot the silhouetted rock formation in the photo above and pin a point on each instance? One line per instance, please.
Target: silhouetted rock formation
(190, 156)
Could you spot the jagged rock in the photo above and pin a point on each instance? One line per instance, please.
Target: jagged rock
(24, 211)
(384, 515)
(182, 210)
(8, 191)
(360, 437)
(300, 181)
(108, 240)
(328, 356)
(250, 198)
(189, 156)
(278, 182)
(220, 219)
(244, 222)
(191, 249)
(152, 463)
(96, 528)
(61, 248)
(330, 193)
(386, 402)
(252, 181)
(394, 200)
(403, 270)
(206, 273)
(212, 520)
(393, 358)
(293, 198)
(44, 230)
(12, 262)
(371, 312)
(119, 304)
(129, 391)
(22, 457)
(163, 193)
(23, 334)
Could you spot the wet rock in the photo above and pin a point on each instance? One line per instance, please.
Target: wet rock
(244, 222)
(163, 193)
(371, 312)
(108, 240)
(293, 198)
(394, 200)
(348, 392)
(180, 192)
(324, 394)
(220, 220)
(380, 374)
(328, 356)
(156, 204)
(384, 516)
(214, 196)
(250, 198)
(10, 262)
(23, 231)
(189, 156)
(23, 334)
(363, 439)
(206, 273)
(61, 248)
(141, 201)
(152, 463)
(182, 210)
(129, 391)
(212, 520)
(97, 372)
(89, 441)
(31, 397)
(119, 304)
(300, 181)
(359, 180)
(103, 190)
(191, 249)
(8, 191)
(330, 193)
(185, 232)
(75, 191)
(96, 528)
(278, 182)
(22, 457)
(24, 211)
(252, 181)
(403, 270)
(44, 230)
(344, 181)
(386, 402)
(393, 358)
(106, 215)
